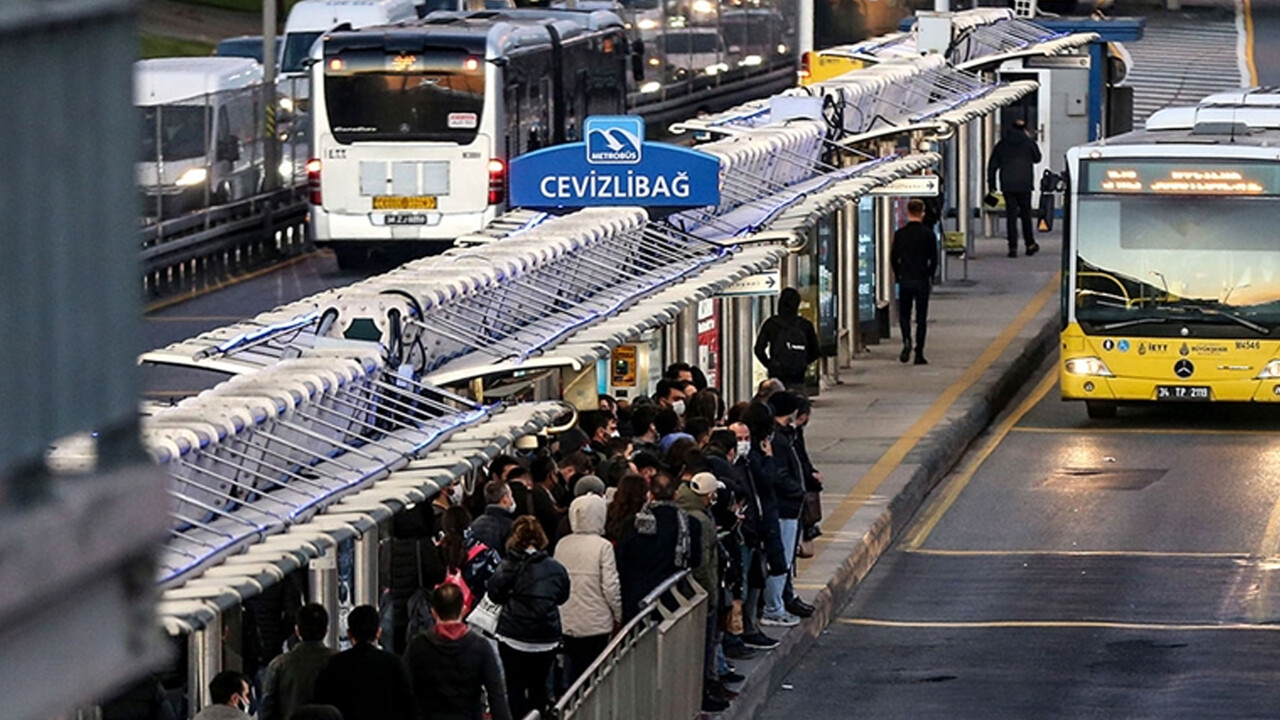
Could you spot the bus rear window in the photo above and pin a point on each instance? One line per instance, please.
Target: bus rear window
(431, 95)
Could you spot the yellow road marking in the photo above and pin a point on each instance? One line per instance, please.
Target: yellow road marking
(880, 471)
(921, 530)
(223, 284)
(1079, 553)
(1135, 431)
(1049, 624)
(1248, 42)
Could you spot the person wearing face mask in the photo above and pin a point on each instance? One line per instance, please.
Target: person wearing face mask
(752, 548)
(228, 696)
(670, 395)
(599, 427)
(451, 495)
(788, 486)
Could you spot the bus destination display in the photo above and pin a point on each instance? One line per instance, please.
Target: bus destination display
(1163, 177)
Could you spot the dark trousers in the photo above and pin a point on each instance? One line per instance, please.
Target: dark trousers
(1018, 205)
(579, 653)
(909, 295)
(526, 675)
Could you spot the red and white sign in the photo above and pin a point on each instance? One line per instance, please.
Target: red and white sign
(463, 121)
(709, 341)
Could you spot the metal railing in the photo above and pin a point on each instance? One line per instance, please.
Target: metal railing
(652, 667)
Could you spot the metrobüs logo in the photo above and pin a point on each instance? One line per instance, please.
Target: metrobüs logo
(614, 139)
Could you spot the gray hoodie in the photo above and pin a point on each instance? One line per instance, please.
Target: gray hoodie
(595, 594)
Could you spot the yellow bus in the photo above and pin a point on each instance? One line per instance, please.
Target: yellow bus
(1171, 276)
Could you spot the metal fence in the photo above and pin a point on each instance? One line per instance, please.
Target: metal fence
(653, 666)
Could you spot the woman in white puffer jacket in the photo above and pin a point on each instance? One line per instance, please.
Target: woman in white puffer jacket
(595, 594)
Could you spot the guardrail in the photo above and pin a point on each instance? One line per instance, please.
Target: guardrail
(651, 668)
(203, 247)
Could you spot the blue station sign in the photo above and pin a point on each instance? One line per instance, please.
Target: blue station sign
(615, 166)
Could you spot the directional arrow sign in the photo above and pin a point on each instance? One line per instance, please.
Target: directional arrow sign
(910, 186)
(765, 283)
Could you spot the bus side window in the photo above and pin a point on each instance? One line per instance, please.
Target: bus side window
(512, 130)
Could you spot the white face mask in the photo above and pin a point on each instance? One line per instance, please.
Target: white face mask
(456, 494)
(613, 434)
(744, 447)
(678, 406)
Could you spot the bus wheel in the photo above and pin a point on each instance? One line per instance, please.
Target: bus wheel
(1100, 410)
(350, 256)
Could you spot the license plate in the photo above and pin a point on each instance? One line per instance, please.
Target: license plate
(404, 202)
(406, 219)
(1182, 392)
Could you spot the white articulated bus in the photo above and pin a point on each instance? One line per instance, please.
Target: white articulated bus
(414, 123)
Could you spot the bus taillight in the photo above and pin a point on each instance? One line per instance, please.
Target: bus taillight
(313, 180)
(497, 182)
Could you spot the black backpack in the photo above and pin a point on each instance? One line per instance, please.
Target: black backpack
(789, 351)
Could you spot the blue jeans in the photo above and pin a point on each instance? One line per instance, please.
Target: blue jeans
(774, 584)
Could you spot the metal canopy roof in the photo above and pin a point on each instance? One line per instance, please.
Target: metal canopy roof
(263, 452)
(585, 346)
(192, 605)
(800, 216)
(896, 96)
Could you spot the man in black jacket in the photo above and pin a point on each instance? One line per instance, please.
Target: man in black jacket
(449, 666)
(290, 679)
(659, 543)
(366, 682)
(914, 258)
(1014, 158)
(494, 526)
(787, 344)
(788, 485)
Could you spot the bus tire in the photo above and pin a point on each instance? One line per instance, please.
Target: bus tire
(1099, 410)
(350, 256)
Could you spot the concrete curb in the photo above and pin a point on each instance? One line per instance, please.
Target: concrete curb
(933, 459)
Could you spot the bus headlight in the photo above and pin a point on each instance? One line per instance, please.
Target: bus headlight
(647, 24)
(1270, 371)
(1088, 366)
(194, 176)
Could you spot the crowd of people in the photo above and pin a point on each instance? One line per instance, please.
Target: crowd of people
(499, 599)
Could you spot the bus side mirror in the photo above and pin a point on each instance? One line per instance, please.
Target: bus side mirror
(637, 60)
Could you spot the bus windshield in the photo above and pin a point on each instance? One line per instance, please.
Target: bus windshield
(431, 95)
(182, 132)
(1144, 261)
(297, 47)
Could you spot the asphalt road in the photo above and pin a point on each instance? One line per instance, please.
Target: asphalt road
(1072, 568)
(180, 318)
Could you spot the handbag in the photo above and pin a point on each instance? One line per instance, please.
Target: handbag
(805, 549)
(485, 616)
(811, 512)
(733, 620)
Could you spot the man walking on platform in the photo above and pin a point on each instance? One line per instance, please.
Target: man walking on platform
(787, 344)
(1014, 157)
(914, 258)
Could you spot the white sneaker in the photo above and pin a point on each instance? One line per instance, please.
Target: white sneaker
(784, 620)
